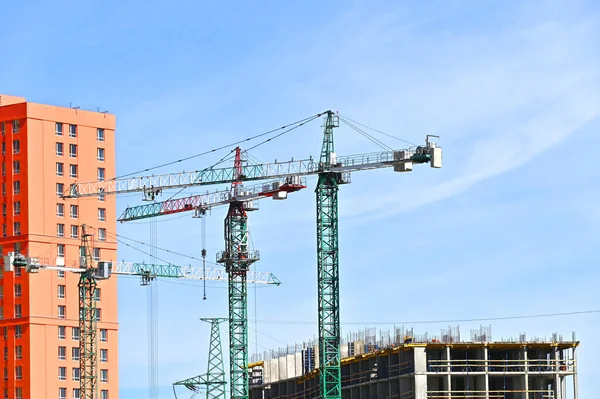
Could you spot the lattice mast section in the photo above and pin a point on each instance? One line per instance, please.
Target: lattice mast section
(237, 259)
(328, 266)
(87, 319)
(214, 379)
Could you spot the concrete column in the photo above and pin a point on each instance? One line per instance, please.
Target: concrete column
(420, 358)
(525, 358)
(575, 383)
(487, 370)
(448, 370)
(557, 380)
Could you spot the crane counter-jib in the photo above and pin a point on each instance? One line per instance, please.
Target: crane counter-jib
(275, 170)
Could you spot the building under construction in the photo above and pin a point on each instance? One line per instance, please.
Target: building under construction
(402, 365)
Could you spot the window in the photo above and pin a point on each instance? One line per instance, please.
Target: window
(19, 372)
(101, 214)
(97, 294)
(18, 352)
(74, 211)
(101, 174)
(100, 154)
(3, 169)
(17, 207)
(62, 373)
(104, 394)
(73, 150)
(16, 146)
(100, 134)
(96, 254)
(1, 313)
(73, 171)
(62, 392)
(5, 353)
(60, 230)
(60, 189)
(61, 291)
(18, 393)
(16, 167)
(3, 148)
(18, 332)
(75, 353)
(72, 131)
(62, 352)
(17, 232)
(58, 129)
(3, 189)
(17, 290)
(98, 314)
(75, 373)
(18, 311)
(16, 126)
(103, 375)
(59, 149)
(3, 128)
(60, 274)
(5, 333)
(74, 231)
(5, 374)
(104, 355)
(62, 311)
(76, 393)
(3, 209)
(60, 169)
(101, 234)
(61, 332)
(60, 210)
(2, 295)
(101, 194)
(4, 230)
(60, 250)
(18, 272)
(76, 334)
(103, 335)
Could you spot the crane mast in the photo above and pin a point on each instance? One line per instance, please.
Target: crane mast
(332, 171)
(87, 320)
(328, 267)
(237, 259)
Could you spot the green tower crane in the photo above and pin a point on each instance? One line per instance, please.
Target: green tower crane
(213, 380)
(332, 171)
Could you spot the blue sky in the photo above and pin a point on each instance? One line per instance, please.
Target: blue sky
(509, 226)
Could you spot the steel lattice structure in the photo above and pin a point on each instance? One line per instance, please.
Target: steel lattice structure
(214, 380)
(332, 171)
(87, 321)
(328, 269)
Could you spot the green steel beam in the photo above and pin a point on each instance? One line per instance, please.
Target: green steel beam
(214, 379)
(87, 323)
(237, 259)
(328, 270)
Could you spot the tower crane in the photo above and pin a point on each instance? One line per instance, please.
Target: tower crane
(91, 272)
(332, 171)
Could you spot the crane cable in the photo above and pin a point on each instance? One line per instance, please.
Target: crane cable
(367, 135)
(299, 123)
(378, 131)
(152, 319)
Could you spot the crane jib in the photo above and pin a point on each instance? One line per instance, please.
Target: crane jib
(251, 172)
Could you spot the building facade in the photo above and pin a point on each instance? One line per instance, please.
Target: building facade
(43, 150)
(404, 366)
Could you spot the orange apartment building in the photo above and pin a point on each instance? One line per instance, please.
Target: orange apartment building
(44, 149)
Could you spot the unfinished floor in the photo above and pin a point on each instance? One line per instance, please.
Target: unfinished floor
(423, 368)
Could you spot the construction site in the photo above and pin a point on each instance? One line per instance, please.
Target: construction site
(62, 244)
